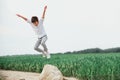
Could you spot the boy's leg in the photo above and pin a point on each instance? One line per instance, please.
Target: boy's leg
(44, 39)
(46, 50)
(37, 46)
(45, 47)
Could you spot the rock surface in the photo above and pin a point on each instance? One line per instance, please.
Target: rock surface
(51, 72)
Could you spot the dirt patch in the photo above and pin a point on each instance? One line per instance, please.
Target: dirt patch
(18, 75)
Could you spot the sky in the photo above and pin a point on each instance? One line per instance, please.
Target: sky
(71, 25)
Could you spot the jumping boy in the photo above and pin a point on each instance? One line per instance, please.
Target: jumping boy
(38, 27)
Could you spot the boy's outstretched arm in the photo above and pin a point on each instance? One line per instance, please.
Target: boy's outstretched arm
(22, 17)
(43, 16)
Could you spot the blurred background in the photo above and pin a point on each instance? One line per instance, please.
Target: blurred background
(70, 25)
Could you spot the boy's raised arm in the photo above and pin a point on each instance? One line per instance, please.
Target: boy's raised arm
(22, 17)
(43, 16)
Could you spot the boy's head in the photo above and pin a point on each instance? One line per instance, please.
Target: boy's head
(34, 20)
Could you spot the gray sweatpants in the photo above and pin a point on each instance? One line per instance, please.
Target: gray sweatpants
(41, 41)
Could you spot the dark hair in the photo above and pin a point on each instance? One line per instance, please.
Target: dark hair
(34, 19)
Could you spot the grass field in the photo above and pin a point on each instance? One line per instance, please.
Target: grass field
(100, 66)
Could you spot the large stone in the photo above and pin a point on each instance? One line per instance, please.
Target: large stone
(51, 73)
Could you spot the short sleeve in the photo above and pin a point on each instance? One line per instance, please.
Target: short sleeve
(28, 21)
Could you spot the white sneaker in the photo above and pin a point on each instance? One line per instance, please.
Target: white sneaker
(48, 56)
(44, 54)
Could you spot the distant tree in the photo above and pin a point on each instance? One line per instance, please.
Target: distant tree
(96, 50)
(92, 50)
(110, 50)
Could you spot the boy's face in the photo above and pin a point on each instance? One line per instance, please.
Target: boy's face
(36, 23)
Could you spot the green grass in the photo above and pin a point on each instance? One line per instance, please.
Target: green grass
(100, 66)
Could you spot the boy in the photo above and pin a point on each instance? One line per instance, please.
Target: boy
(37, 26)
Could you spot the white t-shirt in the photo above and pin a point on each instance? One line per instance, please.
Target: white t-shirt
(39, 30)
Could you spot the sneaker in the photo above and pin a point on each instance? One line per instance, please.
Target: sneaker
(48, 56)
(44, 54)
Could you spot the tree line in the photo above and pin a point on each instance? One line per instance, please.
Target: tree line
(97, 50)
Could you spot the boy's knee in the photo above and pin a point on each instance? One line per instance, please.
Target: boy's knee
(45, 49)
(42, 43)
(35, 48)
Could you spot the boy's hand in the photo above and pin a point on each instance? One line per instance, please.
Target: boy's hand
(45, 7)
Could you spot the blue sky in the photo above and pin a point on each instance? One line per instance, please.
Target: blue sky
(70, 25)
